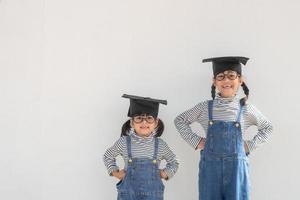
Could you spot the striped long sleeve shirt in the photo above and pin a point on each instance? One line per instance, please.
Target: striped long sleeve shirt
(140, 148)
(225, 109)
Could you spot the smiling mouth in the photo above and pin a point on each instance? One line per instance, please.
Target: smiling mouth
(144, 127)
(227, 86)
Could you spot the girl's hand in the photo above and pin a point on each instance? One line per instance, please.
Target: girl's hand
(119, 174)
(163, 174)
(201, 144)
(246, 148)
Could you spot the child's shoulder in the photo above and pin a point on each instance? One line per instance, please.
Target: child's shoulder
(202, 104)
(161, 141)
(122, 139)
(250, 108)
(249, 105)
(205, 102)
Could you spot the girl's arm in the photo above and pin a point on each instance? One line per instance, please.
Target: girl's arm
(172, 162)
(111, 153)
(183, 121)
(264, 127)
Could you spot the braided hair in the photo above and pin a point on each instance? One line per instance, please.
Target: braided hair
(246, 91)
(213, 91)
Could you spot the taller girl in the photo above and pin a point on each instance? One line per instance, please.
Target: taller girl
(223, 168)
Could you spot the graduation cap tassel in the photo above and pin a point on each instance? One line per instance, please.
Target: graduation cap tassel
(213, 91)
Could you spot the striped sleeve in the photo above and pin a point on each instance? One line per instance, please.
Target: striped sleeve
(111, 153)
(264, 127)
(172, 162)
(183, 121)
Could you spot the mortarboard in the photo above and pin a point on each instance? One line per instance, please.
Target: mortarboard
(221, 64)
(143, 105)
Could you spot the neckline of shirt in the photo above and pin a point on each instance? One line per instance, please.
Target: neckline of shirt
(226, 100)
(140, 139)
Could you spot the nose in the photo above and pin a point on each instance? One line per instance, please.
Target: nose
(226, 78)
(144, 121)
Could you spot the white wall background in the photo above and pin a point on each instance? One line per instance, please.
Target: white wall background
(65, 63)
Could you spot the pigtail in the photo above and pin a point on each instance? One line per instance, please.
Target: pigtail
(125, 128)
(246, 91)
(160, 128)
(213, 91)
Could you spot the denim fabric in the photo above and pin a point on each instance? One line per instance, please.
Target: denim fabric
(223, 167)
(142, 180)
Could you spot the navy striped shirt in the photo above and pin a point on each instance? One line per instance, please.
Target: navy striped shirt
(141, 147)
(225, 109)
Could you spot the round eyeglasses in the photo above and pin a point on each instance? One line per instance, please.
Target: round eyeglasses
(232, 75)
(140, 118)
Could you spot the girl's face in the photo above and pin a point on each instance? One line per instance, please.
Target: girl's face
(227, 83)
(144, 124)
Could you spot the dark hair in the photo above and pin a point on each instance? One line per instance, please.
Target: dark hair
(242, 100)
(213, 91)
(246, 91)
(159, 129)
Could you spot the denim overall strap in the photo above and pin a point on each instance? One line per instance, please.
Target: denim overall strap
(142, 180)
(155, 148)
(128, 139)
(210, 107)
(238, 119)
(223, 168)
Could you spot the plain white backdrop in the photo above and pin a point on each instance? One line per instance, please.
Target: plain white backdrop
(64, 65)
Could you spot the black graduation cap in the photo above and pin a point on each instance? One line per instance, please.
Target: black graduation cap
(143, 105)
(221, 64)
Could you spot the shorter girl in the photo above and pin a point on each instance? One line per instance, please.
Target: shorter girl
(142, 151)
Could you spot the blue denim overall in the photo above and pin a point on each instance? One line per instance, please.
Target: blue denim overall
(223, 168)
(142, 180)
